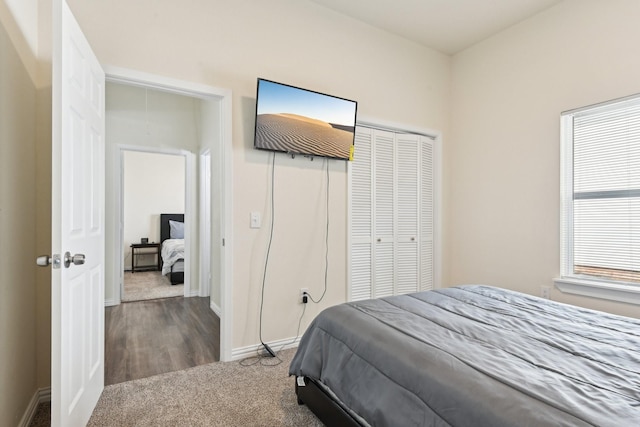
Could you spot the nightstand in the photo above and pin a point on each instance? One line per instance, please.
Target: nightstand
(138, 249)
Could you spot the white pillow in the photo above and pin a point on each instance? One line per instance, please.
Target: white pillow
(176, 229)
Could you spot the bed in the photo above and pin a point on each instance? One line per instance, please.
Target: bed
(172, 239)
(469, 356)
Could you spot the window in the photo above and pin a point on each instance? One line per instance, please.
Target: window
(600, 198)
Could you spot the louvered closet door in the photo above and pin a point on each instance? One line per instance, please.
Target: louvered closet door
(426, 214)
(361, 217)
(383, 209)
(392, 206)
(407, 213)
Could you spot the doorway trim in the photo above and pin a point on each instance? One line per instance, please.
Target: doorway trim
(223, 162)
(189, 211)
(204, 199)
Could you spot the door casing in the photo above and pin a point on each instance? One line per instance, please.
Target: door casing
(188, 213)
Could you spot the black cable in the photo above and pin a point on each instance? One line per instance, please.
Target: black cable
(260, 357)
(266, 262)
(250, 361)
(326, 242)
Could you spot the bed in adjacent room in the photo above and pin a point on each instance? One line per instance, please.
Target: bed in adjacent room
(172, 239)
(469, 356)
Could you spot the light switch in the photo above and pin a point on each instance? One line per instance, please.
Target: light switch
(255, 220)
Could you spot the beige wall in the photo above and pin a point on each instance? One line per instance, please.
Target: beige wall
(43, 189)
(508, 93)
(43, 234)
(18, 328)
(151, 118)
(230, 44)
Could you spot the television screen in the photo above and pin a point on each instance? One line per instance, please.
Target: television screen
(299, 121)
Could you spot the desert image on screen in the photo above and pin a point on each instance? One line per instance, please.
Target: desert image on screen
(299, 134)
(296, 120)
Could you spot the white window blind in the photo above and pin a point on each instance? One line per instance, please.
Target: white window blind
(601, 192)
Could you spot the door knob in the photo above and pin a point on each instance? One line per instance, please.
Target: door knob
(77, 259)
(45, 260)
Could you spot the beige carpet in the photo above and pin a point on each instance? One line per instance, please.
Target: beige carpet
(42, 417)
(146, 285)
(218, 394)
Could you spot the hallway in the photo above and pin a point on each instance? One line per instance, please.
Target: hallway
(147, 338)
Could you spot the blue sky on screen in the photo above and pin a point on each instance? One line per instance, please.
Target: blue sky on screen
(274, 98)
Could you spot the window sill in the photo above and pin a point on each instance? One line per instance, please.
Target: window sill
(597, 289)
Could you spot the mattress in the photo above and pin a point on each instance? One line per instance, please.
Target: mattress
(475, 356)
(172, 252)
(178, 267)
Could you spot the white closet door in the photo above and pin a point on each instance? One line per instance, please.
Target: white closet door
(361, 216)
(407, 212)
(426, 214)
(391, 214)
(384, 219)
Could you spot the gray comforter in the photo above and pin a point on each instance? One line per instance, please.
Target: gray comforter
(475, 356)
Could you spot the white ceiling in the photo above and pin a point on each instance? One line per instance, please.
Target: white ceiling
(445, 25)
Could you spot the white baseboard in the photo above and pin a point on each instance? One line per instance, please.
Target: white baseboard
(111, 302)
(216, 309)
(44, 395)
(41, 395)
(251, 350)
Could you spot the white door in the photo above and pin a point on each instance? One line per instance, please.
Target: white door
(361, 229)
(407, 213)
(427, 205)
(391, 201)
(384, 221)
(77, 295)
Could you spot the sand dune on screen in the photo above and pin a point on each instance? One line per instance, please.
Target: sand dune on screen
(299, 134)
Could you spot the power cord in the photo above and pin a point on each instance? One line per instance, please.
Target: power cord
(260, 357)
(266, 262)
(326, 241)
(274, 354)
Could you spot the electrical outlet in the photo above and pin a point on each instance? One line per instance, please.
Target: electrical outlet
(545, 292)
(303, 291)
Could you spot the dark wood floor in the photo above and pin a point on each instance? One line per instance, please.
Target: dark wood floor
(147, 338)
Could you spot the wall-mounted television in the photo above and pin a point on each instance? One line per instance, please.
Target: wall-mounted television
(293, 120)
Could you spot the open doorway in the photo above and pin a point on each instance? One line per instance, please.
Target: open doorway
(149, 126)
(210, 119)
(153, 206)
(154, 135)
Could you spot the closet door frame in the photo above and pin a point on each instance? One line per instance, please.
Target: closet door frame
(436, 137)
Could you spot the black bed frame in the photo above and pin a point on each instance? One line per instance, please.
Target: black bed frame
(330, 412)
(165, 233)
